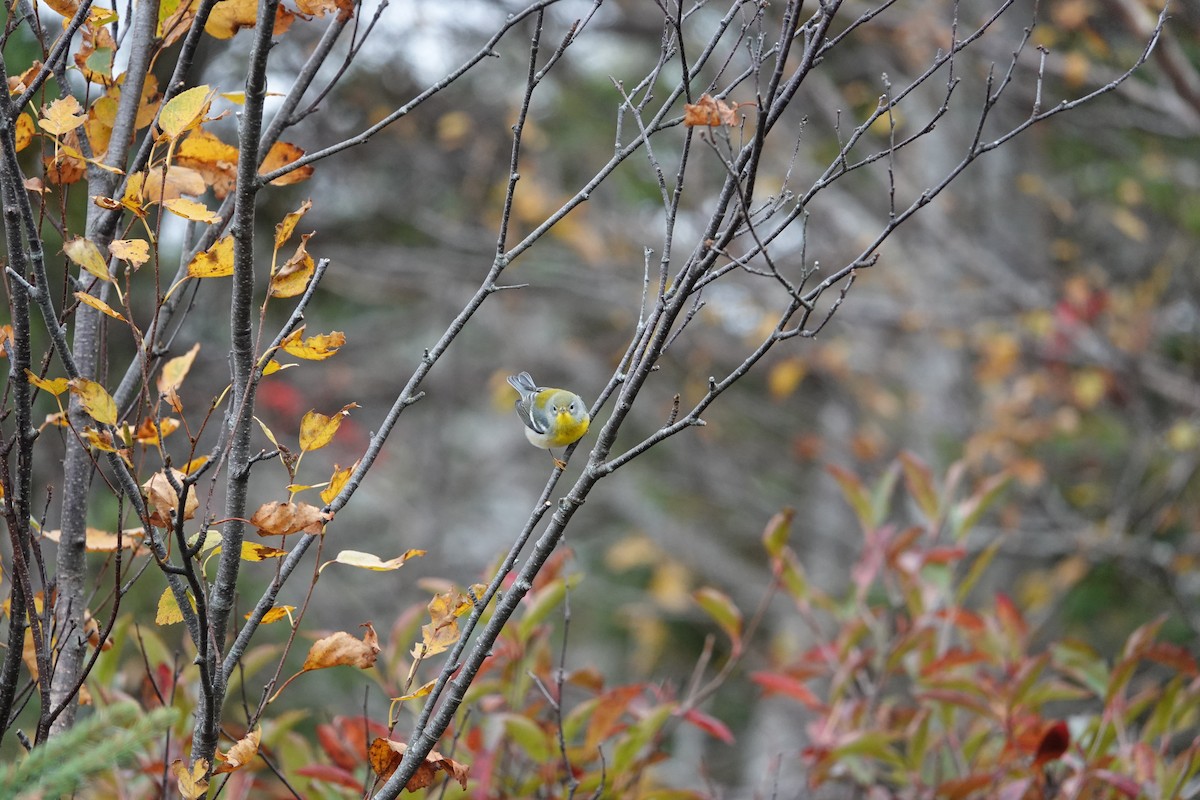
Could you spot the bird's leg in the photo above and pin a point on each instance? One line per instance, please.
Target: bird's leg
(557, 461)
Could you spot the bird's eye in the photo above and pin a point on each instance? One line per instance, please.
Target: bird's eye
(571, 408)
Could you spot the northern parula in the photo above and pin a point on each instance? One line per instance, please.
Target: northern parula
(552, 417)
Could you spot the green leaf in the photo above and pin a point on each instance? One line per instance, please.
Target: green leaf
(529, 736)
(779, 528)
(637, 737)
(855, 494)
(539, 604)
(721, 608)
(919, 479)
(967, 513)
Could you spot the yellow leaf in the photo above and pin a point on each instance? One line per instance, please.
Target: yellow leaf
(785, 377)
(190, 209)
(215, 262)
(185, 111)
(342, 649)
(99, 305)
(253, 551)
(336, 482)
(96, 401)
(292, 278)
(101, 440)
(24, 131)
(314, 348)
(208, 540)
(54, 386)
(135, 251)
(317, 430)
(61, 116)
(214, 160)
(178, 181)
(1089, 387)
(192, 783)
(230, 16)
(196, 463)
(285, 229)
(354, 558)
(421, 692)
(274, 614)
(175, 370)
(168, 609)
(86, 255)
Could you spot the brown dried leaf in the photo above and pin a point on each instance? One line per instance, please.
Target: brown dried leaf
(240, 754)
(162, 499)
(282, 519)
(342, 649)
(385, 756)
(709, 112)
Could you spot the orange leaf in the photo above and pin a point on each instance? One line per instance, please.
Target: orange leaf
(280, 155)
(385, 756)
(24, 131)
(152, 433)
(709, 112)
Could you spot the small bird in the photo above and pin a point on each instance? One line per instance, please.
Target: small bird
(552, 417)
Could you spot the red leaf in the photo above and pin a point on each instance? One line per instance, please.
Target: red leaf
(1056, 738)
(1172, 655)
(710, 725)
(331, 742)
(955, 657)
(1010, 616)
(331, 774)
(774, 683)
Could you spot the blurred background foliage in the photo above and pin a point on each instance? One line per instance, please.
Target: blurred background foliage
(1041, 317)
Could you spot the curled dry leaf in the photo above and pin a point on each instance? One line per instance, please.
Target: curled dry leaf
(240, 754)
(709, 112)
(355, 558)
(282, 519)
(342, 649)
(162, 500)
(386, 755)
